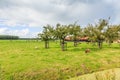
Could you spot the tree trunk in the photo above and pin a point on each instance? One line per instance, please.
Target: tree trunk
(46, 44)
(110, 42)
(63, 45)
(93, 43)
(99, 44)
(75, 43)
(60, 42)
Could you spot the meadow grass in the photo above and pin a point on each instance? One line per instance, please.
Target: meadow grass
(20, 60)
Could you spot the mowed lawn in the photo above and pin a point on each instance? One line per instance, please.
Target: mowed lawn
(20, 60)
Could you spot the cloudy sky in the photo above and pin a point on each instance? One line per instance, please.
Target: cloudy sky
(25, 18)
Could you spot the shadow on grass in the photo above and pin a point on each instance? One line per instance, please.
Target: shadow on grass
(115, 47)
(83, 49)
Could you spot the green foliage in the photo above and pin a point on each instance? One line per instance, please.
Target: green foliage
(98, 32)
(46, 35)
(112, 33)
(75, 31)
(61, 31)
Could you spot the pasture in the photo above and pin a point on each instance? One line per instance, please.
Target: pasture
(29, 60)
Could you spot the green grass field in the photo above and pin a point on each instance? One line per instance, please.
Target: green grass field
(20, 60)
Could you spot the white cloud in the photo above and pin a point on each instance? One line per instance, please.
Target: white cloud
(115, 4)
(3, 30)
(37, 13)
(34, 34)
(10, 23)
(25, 15)
(21, 33)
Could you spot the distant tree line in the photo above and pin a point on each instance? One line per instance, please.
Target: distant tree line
(8, 37)
(28, 38)
(97, 33)
(11, 37)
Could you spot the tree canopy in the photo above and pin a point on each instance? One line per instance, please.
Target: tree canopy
(96, 33)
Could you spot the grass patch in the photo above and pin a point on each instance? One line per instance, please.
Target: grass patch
(20, 60)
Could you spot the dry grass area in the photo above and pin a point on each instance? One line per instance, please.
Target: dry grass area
(111, 74)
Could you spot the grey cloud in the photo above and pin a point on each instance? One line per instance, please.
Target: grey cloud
(65, 11)
(4, 3)
(41, 12)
